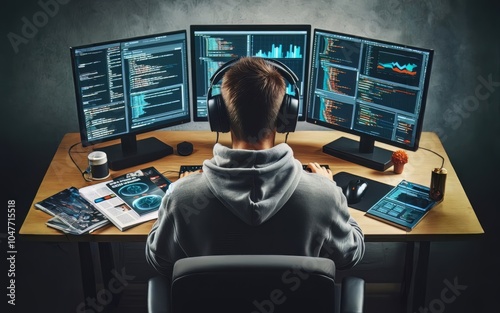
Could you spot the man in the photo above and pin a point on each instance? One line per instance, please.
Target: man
(254, 198)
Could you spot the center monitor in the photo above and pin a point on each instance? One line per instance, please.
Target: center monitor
(374, 89)
(214, 45)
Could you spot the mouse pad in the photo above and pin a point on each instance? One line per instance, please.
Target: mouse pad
(374, 192)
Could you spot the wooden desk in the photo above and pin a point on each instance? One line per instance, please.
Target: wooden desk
(453, 219)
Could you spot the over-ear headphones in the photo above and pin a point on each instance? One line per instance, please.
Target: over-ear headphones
(289, 111)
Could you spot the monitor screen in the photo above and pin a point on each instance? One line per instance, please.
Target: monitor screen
(213, 45)
(370, 88)
(131, 86)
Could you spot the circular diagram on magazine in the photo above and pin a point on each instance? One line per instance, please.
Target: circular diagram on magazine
(133, 189)
(147, 203)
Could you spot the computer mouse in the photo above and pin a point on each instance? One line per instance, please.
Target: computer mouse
(355, 190)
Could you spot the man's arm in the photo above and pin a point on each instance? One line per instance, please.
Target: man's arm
(162, 245)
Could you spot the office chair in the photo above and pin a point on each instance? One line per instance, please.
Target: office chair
(255, 284)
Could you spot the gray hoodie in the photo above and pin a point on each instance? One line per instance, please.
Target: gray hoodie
(253, 184)
(254, 202)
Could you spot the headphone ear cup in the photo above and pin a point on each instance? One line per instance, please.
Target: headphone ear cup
(217, 114)
(288, 115)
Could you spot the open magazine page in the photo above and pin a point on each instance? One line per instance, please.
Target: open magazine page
(131, 206)
(154, 176)
(139, 193)
(113, 207)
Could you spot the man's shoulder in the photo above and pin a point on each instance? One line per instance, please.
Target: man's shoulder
(314, 185)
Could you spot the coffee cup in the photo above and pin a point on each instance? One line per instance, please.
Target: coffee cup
(98, 165)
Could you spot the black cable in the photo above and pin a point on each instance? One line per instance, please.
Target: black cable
(170, 171)
(286, 137)
(442, 159)
(72, 160)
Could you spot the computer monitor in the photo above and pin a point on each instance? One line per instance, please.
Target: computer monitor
(131, 86)
(374, 89)
(213, 45)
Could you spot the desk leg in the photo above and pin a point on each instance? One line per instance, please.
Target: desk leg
(414, 287)
(407, 276)
(420, 276)
(107, 264)
(103, 300)
(87, 271)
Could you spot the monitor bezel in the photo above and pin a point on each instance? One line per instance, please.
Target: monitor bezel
(250, 27)
(131, 132)
(419, 124)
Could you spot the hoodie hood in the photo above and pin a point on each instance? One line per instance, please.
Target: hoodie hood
(253, 184)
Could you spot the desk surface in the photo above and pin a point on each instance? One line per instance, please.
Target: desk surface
(452, 219)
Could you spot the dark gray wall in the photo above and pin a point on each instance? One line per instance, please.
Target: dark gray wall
(38, 104)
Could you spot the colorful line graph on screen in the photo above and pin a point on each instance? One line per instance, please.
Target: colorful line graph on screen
(408, 69)
(398, 64)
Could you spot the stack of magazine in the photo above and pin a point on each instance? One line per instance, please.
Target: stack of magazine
(71, 213)
(125, 201)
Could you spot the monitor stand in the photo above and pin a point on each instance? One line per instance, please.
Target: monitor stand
(361, 152)
(131, 152)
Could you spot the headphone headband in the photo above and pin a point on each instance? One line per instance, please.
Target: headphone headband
(284, 70)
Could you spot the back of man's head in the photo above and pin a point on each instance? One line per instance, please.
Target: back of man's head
(253, 90)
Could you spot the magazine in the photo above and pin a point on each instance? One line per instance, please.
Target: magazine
(404, 206)
(130, 199)
(71, 213)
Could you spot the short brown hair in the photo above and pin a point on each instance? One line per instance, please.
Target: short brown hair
(253, 90)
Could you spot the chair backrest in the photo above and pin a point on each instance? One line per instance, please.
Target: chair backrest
(254, 283)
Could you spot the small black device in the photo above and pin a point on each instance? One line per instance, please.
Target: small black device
(184, 148)
(355, 190)
(289, 111)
